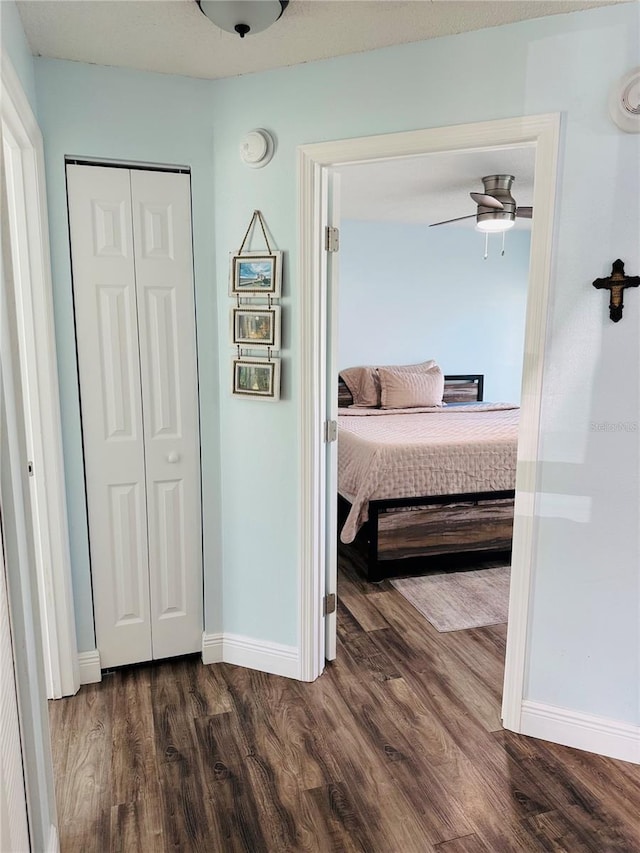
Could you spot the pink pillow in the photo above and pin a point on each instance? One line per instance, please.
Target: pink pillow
(364, 385)
(403, 389)
(364, 382)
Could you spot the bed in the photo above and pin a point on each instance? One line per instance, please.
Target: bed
(426, 485)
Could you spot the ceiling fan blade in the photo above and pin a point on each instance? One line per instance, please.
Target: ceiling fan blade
(487, 201)
(524, 212)
(457, 219)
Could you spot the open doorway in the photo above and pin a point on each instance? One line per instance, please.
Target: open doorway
(316, 163)
(439, 307)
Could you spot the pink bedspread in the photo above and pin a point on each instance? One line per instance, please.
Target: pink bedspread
(403, 454)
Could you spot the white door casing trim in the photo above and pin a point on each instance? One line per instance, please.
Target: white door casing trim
(541, 131)
(27, 201)
(20, 566)
(14, 827)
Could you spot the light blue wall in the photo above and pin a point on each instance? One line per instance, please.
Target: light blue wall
(408, 293)
(583, 651)
(562, 63)
(14, 42)
(91, 111)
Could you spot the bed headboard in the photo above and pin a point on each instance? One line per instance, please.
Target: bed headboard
(458, 388)
(463, 388)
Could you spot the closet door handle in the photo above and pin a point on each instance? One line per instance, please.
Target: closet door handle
(173, 456)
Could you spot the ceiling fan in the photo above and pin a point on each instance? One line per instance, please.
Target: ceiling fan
(497, 209)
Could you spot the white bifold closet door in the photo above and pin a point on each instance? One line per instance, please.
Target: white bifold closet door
(135, 329)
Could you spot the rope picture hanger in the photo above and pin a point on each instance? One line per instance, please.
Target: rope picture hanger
(256, 215)
(255, 273)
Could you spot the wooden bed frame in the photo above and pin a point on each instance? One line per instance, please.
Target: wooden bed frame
(411, 535)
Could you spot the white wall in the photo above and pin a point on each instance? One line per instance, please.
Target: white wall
(408, 293)
(583, 651)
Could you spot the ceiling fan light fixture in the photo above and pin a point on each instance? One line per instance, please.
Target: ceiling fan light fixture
(244, 17)
(494, 223)
(496, 210)
(490, 220)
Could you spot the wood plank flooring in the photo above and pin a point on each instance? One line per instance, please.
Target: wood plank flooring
(397, 748)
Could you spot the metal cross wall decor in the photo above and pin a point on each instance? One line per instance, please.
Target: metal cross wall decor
(616, 284)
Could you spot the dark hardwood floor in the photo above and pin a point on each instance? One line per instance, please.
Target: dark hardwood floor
(396, 748)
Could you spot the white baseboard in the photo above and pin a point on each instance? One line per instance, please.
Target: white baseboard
(253, 654)
(53, 844)
(89, 663)
(582, 731)
(212, 648)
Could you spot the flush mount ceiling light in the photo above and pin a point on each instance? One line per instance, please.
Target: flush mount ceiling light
(243, 16)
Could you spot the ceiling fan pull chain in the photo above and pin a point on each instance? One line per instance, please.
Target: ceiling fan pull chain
(486, 245)
(504, 236)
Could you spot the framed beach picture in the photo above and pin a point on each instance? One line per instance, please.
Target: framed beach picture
(257, 377)
(256, 274)
(255, 326)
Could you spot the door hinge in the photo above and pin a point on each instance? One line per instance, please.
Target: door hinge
(331, 239)
(329, 604)
(330, 431)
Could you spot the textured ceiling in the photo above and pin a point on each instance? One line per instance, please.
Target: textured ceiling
(432, 187)
(174, 37)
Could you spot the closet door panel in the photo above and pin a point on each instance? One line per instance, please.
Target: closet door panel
(166, 309)
(111, 401)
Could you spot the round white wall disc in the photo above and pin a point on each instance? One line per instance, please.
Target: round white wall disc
(256, 148)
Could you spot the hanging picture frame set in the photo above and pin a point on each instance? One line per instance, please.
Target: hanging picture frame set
(256, 274)
(254, 326)
(257, 377)
(255, 279)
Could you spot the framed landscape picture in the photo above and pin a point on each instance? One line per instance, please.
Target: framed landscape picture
(257, 377)
(256, 274)
(254, 326)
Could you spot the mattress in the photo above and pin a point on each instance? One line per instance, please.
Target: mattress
(407, 453)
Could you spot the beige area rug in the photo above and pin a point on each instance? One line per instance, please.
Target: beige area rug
(456, 600)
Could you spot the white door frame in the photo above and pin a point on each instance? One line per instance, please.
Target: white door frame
(14, 827)
(19, 564)
(27, 203)
(313, 161)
